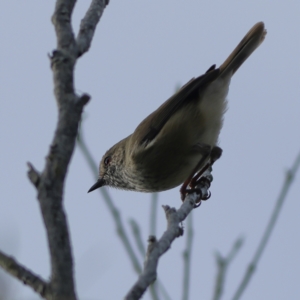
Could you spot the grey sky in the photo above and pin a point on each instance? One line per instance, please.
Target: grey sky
(140, 51)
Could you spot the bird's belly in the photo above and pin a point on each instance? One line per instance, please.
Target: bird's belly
(165, 173)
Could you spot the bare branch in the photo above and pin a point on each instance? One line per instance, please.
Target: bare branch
(153, 213)
(27, 277)
(289, 178)
(50, 189)
(139, 242)
(187, 255)
(61, 20)
(88, 25)
(33, 175)
(223, 264)
(136, 232)
(158, 248)
(50, 183)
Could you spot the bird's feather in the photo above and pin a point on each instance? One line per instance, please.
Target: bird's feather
(148, 129)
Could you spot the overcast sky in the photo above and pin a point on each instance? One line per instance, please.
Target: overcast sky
(140, 52)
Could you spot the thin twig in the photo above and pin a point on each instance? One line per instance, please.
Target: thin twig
(223, 264)
(157, 248)
(187, 253)
(110, 204)
(153, 291)
(139, 242)
(153, 213)
(162, 290)
(88, 25)
(136, 232)
(33, 175)
(153, 221)
(157, 284)
(289, 178)
(11, 266)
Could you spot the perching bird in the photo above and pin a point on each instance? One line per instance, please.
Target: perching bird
(180, 138)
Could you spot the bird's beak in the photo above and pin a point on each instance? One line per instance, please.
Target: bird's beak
(100, 182)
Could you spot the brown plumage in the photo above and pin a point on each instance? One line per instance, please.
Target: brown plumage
(167, 146)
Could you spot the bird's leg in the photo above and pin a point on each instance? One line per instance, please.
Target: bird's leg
(212, 154)
(205, 151)
(200, 181)
(215, 154)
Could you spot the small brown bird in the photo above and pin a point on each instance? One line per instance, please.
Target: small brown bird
(180, 138)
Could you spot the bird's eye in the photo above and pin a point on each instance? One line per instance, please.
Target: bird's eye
(107, 160)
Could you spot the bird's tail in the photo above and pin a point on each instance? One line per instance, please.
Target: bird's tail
(244, 49)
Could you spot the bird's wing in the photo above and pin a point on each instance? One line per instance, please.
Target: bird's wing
(153, 124)
(149, 128)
